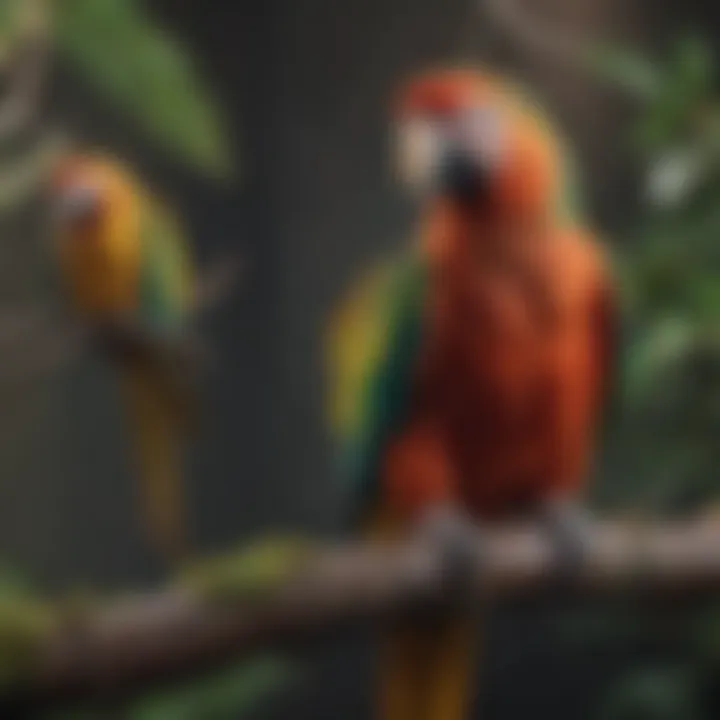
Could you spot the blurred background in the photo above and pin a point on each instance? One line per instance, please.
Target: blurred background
(265, 125)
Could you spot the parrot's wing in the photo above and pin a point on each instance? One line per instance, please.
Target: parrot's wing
(373, 347)
(167, 295)
(167, 282)
(161, 386)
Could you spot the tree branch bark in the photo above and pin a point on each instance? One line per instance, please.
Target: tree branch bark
(161, 637)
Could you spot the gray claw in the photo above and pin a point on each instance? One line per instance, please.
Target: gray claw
(460, 541)
(572, 531)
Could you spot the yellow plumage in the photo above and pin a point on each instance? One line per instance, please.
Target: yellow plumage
(127, 260)
(356, 336)
(101, 263)
(157, 425)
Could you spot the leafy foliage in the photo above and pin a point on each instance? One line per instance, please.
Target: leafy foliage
(249, 573)
(625, 69)
(26, 620)
(116, 46)
(654, 694)
(666, 444)
(223, 697)
(228, 695)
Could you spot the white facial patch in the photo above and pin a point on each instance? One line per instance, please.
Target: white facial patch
(420, 146)
(423, 144)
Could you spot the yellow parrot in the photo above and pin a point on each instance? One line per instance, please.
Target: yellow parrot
(130, 279)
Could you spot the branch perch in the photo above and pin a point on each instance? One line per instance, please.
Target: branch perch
(193, 627)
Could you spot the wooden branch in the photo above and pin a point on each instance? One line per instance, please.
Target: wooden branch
(152, 639)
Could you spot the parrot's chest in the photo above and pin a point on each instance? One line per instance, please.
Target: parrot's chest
(491, 379)
(101, 278)
(491, 344)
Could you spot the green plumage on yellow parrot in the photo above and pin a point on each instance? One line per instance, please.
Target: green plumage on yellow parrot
(129, 276)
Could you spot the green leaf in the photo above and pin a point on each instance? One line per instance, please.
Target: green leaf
(694, 65)
(250, 573)
(225, 696)
(650, 357)
(626, 69)
(654, 694)
(686, 87)
(25, 622)
(8, 16)
(675, 175)
(117, 47)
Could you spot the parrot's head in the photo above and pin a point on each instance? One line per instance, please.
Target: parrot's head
(467, 137)
(87, 195)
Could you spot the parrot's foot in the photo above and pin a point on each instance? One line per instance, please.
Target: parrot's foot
(461, 544)
(572, 531)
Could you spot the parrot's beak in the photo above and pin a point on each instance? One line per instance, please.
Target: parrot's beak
(77, 204)
(462, 175)
(453, 164)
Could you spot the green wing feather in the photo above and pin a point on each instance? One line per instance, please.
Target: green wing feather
(166, 284)
(161, 398)
(375, 341)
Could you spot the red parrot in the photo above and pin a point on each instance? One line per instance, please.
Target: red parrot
(471, 373)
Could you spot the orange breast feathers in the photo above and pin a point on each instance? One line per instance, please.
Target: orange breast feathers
(513, 377)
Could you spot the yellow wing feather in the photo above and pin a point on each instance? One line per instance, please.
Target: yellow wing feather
(356, 337)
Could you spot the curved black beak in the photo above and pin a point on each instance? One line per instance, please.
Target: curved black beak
(462, 176)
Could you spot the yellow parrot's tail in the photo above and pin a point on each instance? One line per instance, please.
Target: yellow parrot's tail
(158, 417)
(427, 671)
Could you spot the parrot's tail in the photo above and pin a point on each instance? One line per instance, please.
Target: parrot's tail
(428, 670)
(157, 416)
(428, 665)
